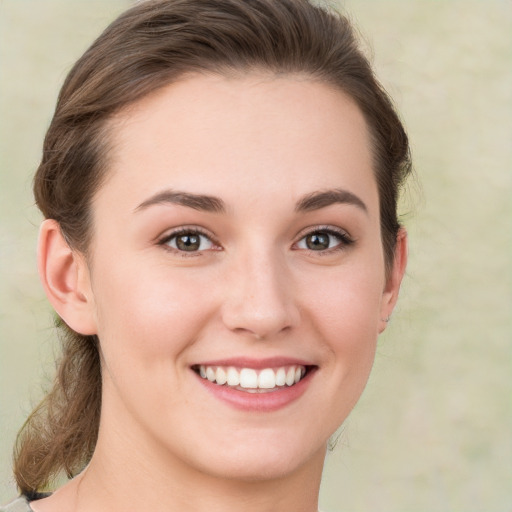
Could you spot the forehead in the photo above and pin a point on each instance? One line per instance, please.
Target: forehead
(230, 136)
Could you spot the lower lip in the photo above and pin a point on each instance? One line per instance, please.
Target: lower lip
(259, 402)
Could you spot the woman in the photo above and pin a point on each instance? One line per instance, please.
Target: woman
(221, 245)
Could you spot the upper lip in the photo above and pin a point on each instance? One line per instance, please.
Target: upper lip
(256, 364)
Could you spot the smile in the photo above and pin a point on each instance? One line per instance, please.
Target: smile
(252, 380)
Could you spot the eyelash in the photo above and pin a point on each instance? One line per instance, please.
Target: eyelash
(191, 231)
(344, 239)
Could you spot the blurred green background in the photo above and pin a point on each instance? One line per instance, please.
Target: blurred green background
(433, 430)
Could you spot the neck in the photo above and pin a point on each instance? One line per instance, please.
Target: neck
(128, 475)
(165, 485)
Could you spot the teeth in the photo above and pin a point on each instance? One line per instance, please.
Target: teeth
(290, 376)
(250, 379)
(281, 377)
(267, 379)
(233, 377)
(210, 374)
(221, 376)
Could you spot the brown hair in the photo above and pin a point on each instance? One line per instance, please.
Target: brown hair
(150, 46)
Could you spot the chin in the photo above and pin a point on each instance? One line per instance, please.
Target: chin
(262, 458)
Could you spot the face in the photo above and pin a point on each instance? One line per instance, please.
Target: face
(237, 279)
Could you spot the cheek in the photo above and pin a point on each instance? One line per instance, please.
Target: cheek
(150, 313)
(345, 303)
(347, 315)
(345, 310)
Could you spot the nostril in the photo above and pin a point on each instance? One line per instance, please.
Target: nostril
(261, 332)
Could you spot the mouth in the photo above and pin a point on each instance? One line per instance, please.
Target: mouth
(251, 380)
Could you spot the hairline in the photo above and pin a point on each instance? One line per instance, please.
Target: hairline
(109, 124)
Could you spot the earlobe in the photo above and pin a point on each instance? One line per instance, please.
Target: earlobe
(392, 288)
(65, 279)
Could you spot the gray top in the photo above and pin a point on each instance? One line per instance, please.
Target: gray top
(20, 504)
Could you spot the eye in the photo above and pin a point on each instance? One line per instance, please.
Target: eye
(188, 241)
(324, 240)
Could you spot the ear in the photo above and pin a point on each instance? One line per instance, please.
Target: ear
(65, 278)
(390, 294)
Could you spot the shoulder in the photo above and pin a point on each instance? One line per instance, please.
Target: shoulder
(18, 505)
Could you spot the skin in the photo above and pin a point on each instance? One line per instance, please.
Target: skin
(259, 144)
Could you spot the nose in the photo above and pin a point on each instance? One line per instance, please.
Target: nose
(260, 299)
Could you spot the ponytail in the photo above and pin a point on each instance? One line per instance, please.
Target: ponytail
(60, 434)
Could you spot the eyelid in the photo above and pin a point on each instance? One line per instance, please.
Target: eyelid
(345, 238)
(170, 234)
(326, 228)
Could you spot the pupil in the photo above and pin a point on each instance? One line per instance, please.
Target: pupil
(188, 242)
(317, 241)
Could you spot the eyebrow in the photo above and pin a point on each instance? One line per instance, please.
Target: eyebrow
(322, 199)
(195, 201)
(310, 202)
